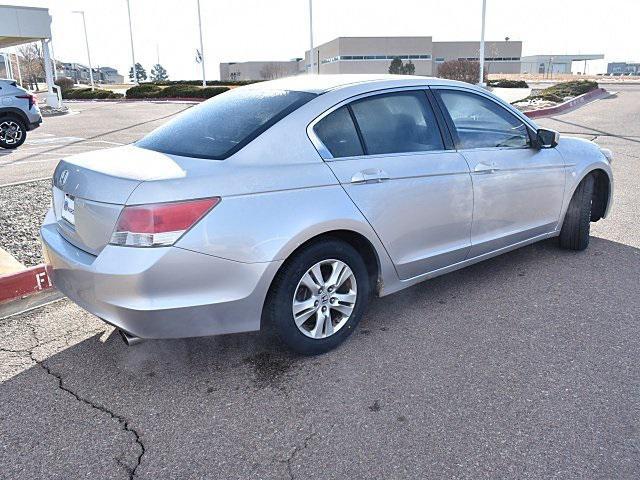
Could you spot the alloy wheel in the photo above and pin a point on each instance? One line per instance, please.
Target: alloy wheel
(324, 299)
(10, 132)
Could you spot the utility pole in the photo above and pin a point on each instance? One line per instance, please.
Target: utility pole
(484, 12)
(204, 78)
(86, 39)
(311, 55)
(133, 55)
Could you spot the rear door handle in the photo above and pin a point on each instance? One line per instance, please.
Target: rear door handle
(370, 175)
(485, 168)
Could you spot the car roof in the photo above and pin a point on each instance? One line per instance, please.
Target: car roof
(325, 83)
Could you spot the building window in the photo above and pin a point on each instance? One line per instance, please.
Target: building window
(340, 58)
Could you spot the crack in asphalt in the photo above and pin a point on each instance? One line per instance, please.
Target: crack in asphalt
(121, 420)
(295, 451)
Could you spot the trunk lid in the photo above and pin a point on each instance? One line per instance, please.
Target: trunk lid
(90, 190)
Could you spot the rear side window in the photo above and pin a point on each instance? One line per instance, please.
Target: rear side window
(397, 122)
(338, 133)
(482, 123)
(223, 125)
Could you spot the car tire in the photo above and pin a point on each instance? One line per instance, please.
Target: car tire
(577, 221)
(290, 291)
(14, 122)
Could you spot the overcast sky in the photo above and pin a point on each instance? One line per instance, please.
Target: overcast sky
(241, 30)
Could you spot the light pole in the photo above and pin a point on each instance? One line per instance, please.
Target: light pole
(133, 55)
(86, 39)
(311, 38)
(484, 12)
(204, 78)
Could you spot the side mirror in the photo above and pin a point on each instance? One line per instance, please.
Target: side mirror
(547, 138)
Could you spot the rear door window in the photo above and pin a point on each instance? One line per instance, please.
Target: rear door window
(397, 122)
(224, 124)
(338, 133)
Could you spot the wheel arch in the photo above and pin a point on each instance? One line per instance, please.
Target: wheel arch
(14, 112)
(357, 240)
(602, 192)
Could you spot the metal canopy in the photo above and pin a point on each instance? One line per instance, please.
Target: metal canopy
(20, 25)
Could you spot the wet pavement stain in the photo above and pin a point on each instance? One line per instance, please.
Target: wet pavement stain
(270, 369)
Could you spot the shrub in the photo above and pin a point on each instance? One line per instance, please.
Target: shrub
(144, 90)
(190, 91)
(64, 83)
(88, 94)
(558, 92)
(197, 83)
(571, 89)
(506, 83)
(462, 70)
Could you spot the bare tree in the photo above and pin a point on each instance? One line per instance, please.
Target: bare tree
(273, 70)
(463, 70)
(32, 64)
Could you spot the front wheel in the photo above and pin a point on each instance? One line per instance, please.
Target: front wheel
(577, 221)
(13, 132)
(319, 297)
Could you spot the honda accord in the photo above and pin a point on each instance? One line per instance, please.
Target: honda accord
(293, 202)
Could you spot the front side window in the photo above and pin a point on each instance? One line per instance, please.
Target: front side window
(224, 124)
(482, 123)
(396, 123)
(338, 133)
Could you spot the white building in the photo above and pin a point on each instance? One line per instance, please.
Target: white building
(544, 64)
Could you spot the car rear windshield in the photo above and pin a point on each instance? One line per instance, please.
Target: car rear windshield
(224, 124)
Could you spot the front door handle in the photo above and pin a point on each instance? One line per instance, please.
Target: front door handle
(485, 168)
(370, 175)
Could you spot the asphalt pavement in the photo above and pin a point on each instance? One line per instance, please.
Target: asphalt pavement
(523, 366)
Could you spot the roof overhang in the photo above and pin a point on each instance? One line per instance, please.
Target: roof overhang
(19, 25)
(565, 58)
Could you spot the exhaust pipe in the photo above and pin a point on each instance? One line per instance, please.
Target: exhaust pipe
(129, 339)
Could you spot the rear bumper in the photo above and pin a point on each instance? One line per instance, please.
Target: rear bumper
(34, 125)
(164, 292)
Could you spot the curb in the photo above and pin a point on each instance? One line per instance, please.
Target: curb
(23, 283)
(569, 105)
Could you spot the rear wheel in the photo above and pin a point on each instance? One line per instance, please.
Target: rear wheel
(13, 132)
(575, 228)
(319, 297)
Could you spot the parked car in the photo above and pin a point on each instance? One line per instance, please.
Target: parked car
(292, 202)
(19, 114)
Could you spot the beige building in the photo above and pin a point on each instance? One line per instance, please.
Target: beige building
(374, 55)
(260, 70)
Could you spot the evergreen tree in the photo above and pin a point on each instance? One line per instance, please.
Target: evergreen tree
(409, 68)
(158, 73)
(396, 66)
(140, 71)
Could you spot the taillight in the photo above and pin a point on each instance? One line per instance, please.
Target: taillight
(159, 224)
(32, 99)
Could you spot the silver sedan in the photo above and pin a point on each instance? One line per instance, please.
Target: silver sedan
(292, 202)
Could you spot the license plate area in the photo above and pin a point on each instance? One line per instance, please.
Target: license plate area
(68, 209)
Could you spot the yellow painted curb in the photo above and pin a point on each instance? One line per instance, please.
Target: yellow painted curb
(8, 264)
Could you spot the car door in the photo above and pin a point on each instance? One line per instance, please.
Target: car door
(518, 189)
(388, 152)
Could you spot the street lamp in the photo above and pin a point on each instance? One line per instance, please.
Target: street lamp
(484, 12)
(133, 55)
(311, 38)
(86, 39)
(204, 78)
